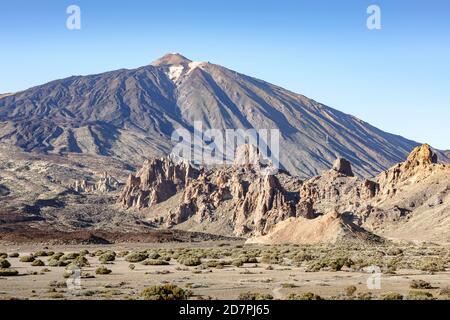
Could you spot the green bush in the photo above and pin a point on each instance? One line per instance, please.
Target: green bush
(8, 272)
(254, 296)
(420, 284)
(70, 256)
(136, 257)
(392, 296)
(153, 255)
(38, 263)
(56, 263)
(304, 296)
(189, 261)
(165, 292)
(155, 262)
(80, 261)
(237, 263)
(57, 256)
(40, 254)
(4, 264)
(27, 259)
(107, 257)
(103, 270)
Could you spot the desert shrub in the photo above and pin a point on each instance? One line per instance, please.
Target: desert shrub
(419, 295)
(131, 267)
(432, 265)
(237, 263)
(107, 257)
(102, 270)
(299, 258)
(165, 292)
(3, 255)
(270, 259)
(254, 296)
(13, 255)
(38, 263)
(289, 285)
(334, 264)
(153, 255)
(247, 259)
(41, 254)
(122, 254)
(84, 252)
(80, 261)
(364, 296)
(350, 291)
(420, 284)
(392, 296)
(70, 256)
(136, 257)
(445, 291)
(27, 259)
(98, 253)
(394, 251)
(57, 263)
(8, 272)
(57, 256)
(189, 261)
(304, 296)
(155, 262)
(4, 264)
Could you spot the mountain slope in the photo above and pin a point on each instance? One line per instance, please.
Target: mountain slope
(131, 114)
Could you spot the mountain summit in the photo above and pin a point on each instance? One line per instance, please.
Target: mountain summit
(171, 59)
(131, 114)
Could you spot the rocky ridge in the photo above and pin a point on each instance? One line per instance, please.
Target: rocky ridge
(253, 204)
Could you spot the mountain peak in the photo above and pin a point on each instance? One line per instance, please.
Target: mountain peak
(422, 155)
(171, 59)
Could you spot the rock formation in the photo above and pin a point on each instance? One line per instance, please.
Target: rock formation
(157, 181)
(245, 201)
(106, 183)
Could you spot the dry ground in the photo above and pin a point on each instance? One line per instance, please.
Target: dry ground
(279, 272)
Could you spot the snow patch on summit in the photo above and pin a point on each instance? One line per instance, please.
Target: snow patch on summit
(175, 72)
(195, 64)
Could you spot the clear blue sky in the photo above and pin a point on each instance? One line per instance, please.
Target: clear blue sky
(396, 78)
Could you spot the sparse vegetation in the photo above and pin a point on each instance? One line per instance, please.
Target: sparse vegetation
(165, 292)
(420, 284)
(136, 257)
(350, 291)
(4, 264)
(8, 272)
(107, 257)
(38, 263)
(189, 261)
(304, 296)
(155, 262)
(102, 270)
(254, 296)
(29, 258)
(392, 296)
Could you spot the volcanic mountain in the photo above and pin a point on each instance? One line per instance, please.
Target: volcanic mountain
(130, 115)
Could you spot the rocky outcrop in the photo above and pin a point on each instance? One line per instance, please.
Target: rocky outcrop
(105, 183)
(157, 181)
(343, 167)
(244, 200)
